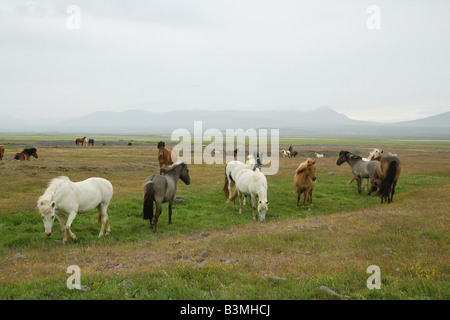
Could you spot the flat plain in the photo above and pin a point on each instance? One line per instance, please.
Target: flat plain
(210, 251)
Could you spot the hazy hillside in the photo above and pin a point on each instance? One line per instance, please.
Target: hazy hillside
(319, 122)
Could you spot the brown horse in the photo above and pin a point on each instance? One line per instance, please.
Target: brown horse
(26, 154)
(305, 180)
(91, 142)
(81, 140)
(164, 155)
(386, 176)
(2, 152)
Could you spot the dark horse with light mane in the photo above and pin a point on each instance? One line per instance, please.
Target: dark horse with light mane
(164, 155)
(160, 189)
(26, 154)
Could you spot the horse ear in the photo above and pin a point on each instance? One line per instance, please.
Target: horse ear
(314, 162)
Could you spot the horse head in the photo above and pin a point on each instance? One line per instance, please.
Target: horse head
(161, 144)
(308, 168)
(342, 157)
(263, 206)
(47, 210)
(185, 174)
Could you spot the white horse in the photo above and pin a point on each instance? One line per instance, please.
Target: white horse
(253, 184)
(318, 155)
(64, 199)
(231, 169)
(286, 153)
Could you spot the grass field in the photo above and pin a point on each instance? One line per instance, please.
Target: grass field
(211, 251)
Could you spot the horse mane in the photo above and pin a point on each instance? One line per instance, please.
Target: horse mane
(52, 188)
(171, 167)
(304, 165)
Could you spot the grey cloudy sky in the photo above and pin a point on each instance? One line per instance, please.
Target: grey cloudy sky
(225, 54)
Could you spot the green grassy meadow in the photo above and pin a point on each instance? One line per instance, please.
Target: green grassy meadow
(210, 251)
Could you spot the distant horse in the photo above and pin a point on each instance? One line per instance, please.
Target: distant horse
(164, 155)
(294, 154)
(2, 151)
(231, 169)
(81, 141)
(161, 189)
(305, 180)
(104, 143)
(26, 154)
(286, 153)
(91, 142)
(387, 173)
(66, 199)
(360, 168)
(253, 184)
(318, 155)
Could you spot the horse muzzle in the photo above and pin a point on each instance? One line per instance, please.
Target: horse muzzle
(313, 178)
(48, 234)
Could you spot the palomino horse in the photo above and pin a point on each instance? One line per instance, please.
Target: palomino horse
(65, 199)
(2, 152)
(164, 155)
(253, 184)
(360, 168)
(26, 154)
(161, 189)
(81, 141)
(305, 180)
(387, 173)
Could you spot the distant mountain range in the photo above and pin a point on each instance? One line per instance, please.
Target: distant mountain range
(319, 122)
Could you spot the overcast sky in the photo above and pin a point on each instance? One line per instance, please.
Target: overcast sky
(385, 65)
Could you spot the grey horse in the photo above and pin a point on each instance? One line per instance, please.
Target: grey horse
(160, 189)
(360, 168)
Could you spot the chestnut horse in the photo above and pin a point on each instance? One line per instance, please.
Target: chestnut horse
(386, 176)
(26, 154)
(305, 180)
(164, 155)
(2, 152)
(81, 140)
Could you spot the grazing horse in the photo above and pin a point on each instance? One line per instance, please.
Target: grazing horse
(91, 142)
(2, 152)
(26, 154)
(253, 184)
(104, 143)
(305, 180)
(360, 168)
(387, 173)
(232, 168)
(164, 155)
(294, 154)
(65, 199)
(319, 155)
(286, 153)
(81, 141)
(161, 189)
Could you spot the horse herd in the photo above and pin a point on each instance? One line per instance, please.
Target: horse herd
(63, 198)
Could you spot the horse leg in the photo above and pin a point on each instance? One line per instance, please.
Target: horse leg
(353, 179)
(358, 181)
(157, 213)
(63, 229)
(170, 211)
(298, 196)
(240, 195)
(69, 223)
(104, 219)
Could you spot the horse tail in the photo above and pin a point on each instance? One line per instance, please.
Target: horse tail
(385, 187)
(235, 195)
(149, 196)
(225, 190)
